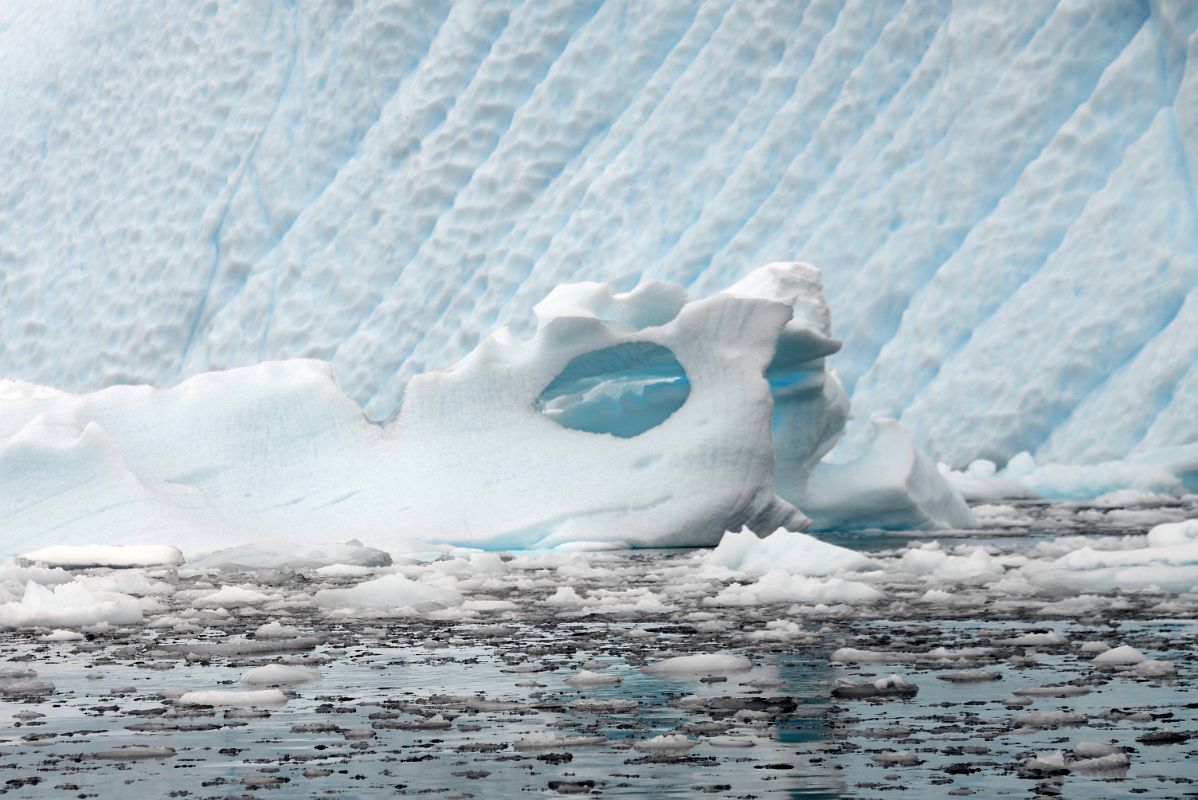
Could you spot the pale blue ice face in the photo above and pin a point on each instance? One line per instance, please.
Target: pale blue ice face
(623, 390)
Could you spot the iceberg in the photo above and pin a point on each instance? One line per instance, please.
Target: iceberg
(641, 417)
(379, 186)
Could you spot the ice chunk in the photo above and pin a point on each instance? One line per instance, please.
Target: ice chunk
(134, 752)
(261, 698)
(69, 604)
(564, 597)
(708, 664)
(588, 678)
(1121, 655)
(1172, 534)
(893, 485)
(293, 555)
(61, 635)
(1154, 669)
(277, 675)
(543, 740)
(232, 597)
(665, 741)
(104, 555)
(779, 586)
(388, 592)
(276, 630)
(797, 553)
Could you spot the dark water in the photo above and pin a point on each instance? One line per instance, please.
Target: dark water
(363, 729)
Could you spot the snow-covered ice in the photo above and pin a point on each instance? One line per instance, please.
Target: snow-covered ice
(100, 555)
(701, 416)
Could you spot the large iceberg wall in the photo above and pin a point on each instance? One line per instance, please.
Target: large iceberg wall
(1001, 194)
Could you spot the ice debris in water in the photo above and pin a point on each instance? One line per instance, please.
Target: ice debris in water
(797, 553)
(388, 593)
(705, 664)
(69, 604)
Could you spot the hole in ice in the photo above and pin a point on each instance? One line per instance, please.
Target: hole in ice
(623, 390)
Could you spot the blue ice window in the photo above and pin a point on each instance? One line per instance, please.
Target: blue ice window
(623, 390)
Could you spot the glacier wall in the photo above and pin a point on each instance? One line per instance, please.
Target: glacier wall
(1001, 195)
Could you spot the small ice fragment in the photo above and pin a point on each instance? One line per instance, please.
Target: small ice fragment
(544, 740)
(133, 752)
(713, 664)
(896, 758)
(276, 630)
(970, 676)
(231, 597)
(666, 741)
(731, 741)
(1092, 749)
(1041, 639)
(564, 597)
(1124, 655)
(262, 698)
(1095, 647)
(1154, 669)
(588, 678)
(277, 675)
(61, 635)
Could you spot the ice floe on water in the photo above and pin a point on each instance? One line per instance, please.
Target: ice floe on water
(760, 663)
(100, 555)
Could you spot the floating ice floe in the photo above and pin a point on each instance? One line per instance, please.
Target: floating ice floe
(104, 555)
(701, 416)
(388, 593)
(260, 698)
(705, 664)
(797, 553)
(293, 555)
(69, 604)
(278, 675)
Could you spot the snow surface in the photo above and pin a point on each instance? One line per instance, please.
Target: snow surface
(1002, 195)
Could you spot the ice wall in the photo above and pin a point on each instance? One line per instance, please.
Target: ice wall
(1001, 194)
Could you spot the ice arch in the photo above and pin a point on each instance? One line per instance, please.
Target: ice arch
(624, 390)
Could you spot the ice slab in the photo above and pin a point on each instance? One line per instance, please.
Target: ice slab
(641, 418)
(104, 555)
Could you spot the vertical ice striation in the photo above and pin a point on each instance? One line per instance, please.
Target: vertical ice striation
(1001, 195)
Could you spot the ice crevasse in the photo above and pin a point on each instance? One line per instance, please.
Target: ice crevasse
(645, 418)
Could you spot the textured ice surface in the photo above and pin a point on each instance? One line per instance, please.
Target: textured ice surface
(1002, 194)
